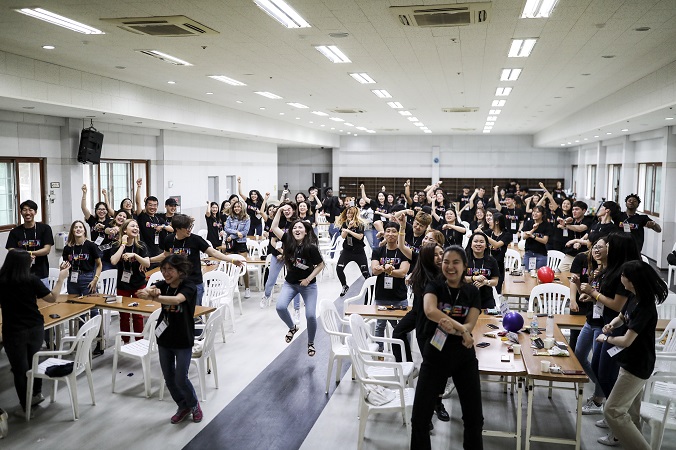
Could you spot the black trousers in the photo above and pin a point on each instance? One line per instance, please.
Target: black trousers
(20, 347)
(459, 363)
(348, 256)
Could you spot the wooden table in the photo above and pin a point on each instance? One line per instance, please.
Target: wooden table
(372, 312)
(145, 307)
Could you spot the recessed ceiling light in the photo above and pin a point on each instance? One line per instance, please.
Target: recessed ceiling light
(427, 131)
(311, 122)
(319, 113)
(668, 118)
(171, 82)
(413, 119)
(322, 125)
(609, 133)
(362, 128)
(48, 47)
(348, 124)
(165, 57)
(395, 105)
(381, 93)
(419, 124)
(281, 114)
(238, 101)
(298, 105)
(333, 53)
(282, 13)
(535, 9)
(210, 93)
(297, 118)
(577, 140)
(268, 95)
(495, 111)
(503, 91)
(596, 135)
(521, 48)
(624, 129)
(562, 145)
(355, 134)
(487, 131)
(585, 139)
(336, 119)
(510, 74)
(363, 77)
(498, 102)
(227, 80)
(262, 108)
(491, 118)
(405, 113)
(61, 21)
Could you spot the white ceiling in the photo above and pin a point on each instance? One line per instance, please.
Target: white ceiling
(426, 69)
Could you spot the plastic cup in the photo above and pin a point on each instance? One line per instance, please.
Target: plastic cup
(544, 366)
(517, 349)
(118, 299)
(549, 343)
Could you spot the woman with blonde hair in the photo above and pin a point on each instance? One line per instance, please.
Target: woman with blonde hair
(236, 227)
(352, 228)
(129, 254)
(82, 256)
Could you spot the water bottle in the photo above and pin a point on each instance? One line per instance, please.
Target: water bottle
(550, 326)
(534, 326)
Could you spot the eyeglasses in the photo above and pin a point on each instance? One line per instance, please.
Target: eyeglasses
(598, 247)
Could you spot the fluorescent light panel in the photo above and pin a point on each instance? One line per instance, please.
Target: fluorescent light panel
(333, 53)
(498, 102)
(491, 118)
(362, 128)
(495, 111)
(510, 74)
(395, 105)
(535, 9)
(362, 77)
(381, 93)
(319, 113)
(405, 113)
(419, 124)
(413, 119)
(298, 105)
(336, 119)
(282, 13)
(521, 48)
(268, 95)
(55, 19)
(224, 79)
(503, 91)
(165, 57)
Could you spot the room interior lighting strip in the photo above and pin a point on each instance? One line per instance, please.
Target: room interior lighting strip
(427, 131)
(298, 105)
(55, 19)
(165, 57)
(336, 119)
(536, 9)
(282, 13)
(419, 124)
(405, 113)
(320, 113)
(413, 119)
(362, 128)
(395, 105)
(224, 79)
(381, 93)
(362, 77)
(499, 103)
(268, 95)
(510, 74)
(333, 53)
(521, 48)
(503, 91)
(495, 112)
(491, 118)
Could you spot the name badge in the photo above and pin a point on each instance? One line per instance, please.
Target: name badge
(515, 239)
(598, 310)
(159, 329)
(157, 239)
(349, 241)
(73, 276)
(388, 282)
(532, 262)
(439, 339)
(612, 351)
(626, 230)
(513, 226)
(504, 307)
(565, 232)
(98, 240)
(126, 276)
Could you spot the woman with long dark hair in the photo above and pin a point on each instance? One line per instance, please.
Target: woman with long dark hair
(536, 232)
(482, 268)
(381, 214)
(22, 323)
(498, 241)
(254, 205)
(451, 227)
(236, 227)
(303, 263)
(637, 358)
(452, 307)
(178, 297)
(352, 231)
(97, 222)
(214, 224)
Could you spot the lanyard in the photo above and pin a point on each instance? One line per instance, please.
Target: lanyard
(74, 258)
(174, 244)
(25, 238)
(124, 263)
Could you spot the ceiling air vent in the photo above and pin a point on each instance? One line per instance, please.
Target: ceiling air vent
(348, 111)
(463, 130)
(462, 109)
(443, 15)
(167, 26)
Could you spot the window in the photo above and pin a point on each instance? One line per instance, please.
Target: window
(591, 181)
(613, 191)
(117, 177)
(650, 187)
(20, 180)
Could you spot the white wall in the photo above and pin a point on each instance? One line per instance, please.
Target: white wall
(296, 166)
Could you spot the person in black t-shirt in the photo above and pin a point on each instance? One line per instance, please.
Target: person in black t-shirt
(176, 333)
(514, 215)
(255, 203)
(498, 242)
(331, 208)
(151, 225)
(452, 308)
(34, 237)
(576, 227)
(381, 214)
(451, 227)
(637, 357)
(580, 269)
(82, 256)
(22, 322)
(536, 232)
(352, 231)
(97, 222)
(482, 268)
(634, 223)
(214, 224)
(303, 263)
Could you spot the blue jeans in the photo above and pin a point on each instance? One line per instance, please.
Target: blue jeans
(586, 343)
(371, 237)
(175, 363)
(381, 324)
(540, 260)
(20, 347)
(81, 287)
(309, 293)
(273, 272)
(200, 293)
(605, 367)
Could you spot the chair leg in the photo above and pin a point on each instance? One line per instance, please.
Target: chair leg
(114, 369)
(201, 373)
(329, 372)
(363, 417)
(72, 390)
(145, 366)
(223, 330)
(214, 367)
(88, 371)
(29, 394)
(338, 369)
(232, 316)
(550, 390)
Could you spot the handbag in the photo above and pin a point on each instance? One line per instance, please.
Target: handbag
(671, 258)
(59, 370)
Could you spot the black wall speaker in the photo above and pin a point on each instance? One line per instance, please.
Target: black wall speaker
(89, 150)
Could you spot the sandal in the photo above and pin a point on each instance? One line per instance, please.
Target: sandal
(289, 335)
(311, 349)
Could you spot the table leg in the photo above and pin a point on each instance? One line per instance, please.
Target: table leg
(519, 403)
(578, 425)
(529, 412)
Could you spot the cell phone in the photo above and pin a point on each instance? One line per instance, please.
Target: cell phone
(483, 344)
(492, 326)
(504, 358)
(518, 281)
(133, 304)
(538, 343)
(55, 316)
(573, 372)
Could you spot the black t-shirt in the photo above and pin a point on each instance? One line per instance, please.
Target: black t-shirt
(309, 218)
(351, 243)
(580, 267)
(488, 267)
(149, 235)
(599, 229)
(305, 261)
(379, 208)
(214, 227)
(588, 221)
(331, 206)
(97, 228)
(499, 253)
(32, 239)
(82, 258)
(253, 209)
(180, 331)
(19, 305)
(440, 209)
(635, 224)
(138, 278)
(513, 217)
(639, 358)
(544, 229)
(189, 247)
(315, 204)
(452, 237)
(557, 241)
(455, 303)
(412, 241)
(398, 290)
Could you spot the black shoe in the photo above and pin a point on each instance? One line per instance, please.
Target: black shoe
(98, 351)
(344, 291)
(442, 414)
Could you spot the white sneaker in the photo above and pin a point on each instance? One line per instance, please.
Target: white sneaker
(265, 301)
(247, 293)
(602, 423)
(609, 439)
(591, 408)
(449, 389)
(296, 316)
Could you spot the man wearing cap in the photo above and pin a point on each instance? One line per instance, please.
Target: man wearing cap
(170, 210)
(34, 237)
(634, 223)
(332, 208)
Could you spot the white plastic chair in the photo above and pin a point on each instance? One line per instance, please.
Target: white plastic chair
(554, 258)
(331, 262)
(666, 342)
(657, 407)
(667, 310)
(334, 325)
(53, 277)
(218, 292)
(402, 397)
(672, 269)
(107, 285)
(521, 245)
(154, 278)
(512, 259)
(234, 272)
(202, 233)
(81, 345)
(367, 291)
(552, 298)
(142, 350)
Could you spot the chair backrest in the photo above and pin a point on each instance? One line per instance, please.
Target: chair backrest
(154, 278)
(357, 361)
(668, 337)
(107, 282)
(212, 326)
(366, 293)
(83, 341)
(468, 231)
(521, 244)
(53, 278)
(202, 234)
(149, 330)
(667, 310)
(554, 258)
(360, 332)
(216, 285)
(331, 321)
(253, 247)
(552, 298)
(512, 259)
(264, 246)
